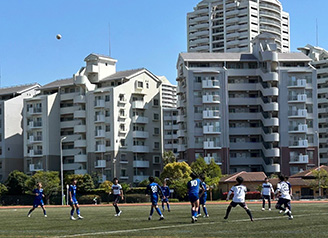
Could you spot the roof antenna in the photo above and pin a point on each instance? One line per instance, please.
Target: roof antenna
(109, 43)
(317, 35)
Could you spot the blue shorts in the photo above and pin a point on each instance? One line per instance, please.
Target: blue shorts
(75, 202)
(202, 200)
(37, 203)
(154, 201)
(193, 197)
(165, 200)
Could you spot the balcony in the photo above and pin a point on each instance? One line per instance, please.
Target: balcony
(140, 134)
(181, 133)
(80, 171)
(300, 113)
(34, 153)
(35, 110)
(140, 149)
(100, 119)
(299, 83)
(139, 119)
(139, 105)
(68, 124)
(211, 98)
(299, 144)
(100, 149)
(211, 114)
(79, 99)
(35, 139)
(100, 133)
(301, 128)
(80, 114)
(80, 158)
(70, 152)
(140, 164)
(92, 68)
(299, 98)
(36, 167)
(34, 125)
(80, 143)
(210, 129)
(209, 145)
(100, 164)
(182, 148)
(99, 103)
(301, 159)
(211, 84)
(180, 118)
(80, 129)
(69, 110)
(139, 178)
(67, 96)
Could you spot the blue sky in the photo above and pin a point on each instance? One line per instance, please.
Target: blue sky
(144, 33)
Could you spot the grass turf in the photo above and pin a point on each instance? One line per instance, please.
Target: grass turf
(310, 220)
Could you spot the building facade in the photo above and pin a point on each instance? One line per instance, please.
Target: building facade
(252, 112)
(230, 25)
(109, 123)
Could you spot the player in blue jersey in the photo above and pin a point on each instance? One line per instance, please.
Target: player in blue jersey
(153, 189)
(193, 192)
(38, 200)
(166, 195)
(73, 201)
(203, 196)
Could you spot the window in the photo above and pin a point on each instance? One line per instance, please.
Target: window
(107, 143)
(122, 142)
(156, 102)
(156, 159)
(156, 145)
(108, 157)
(156, 131)
(123, 173)
(140, 84)
(157, 173)
(156, 116)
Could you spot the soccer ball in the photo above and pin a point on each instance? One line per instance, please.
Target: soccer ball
(58, 36)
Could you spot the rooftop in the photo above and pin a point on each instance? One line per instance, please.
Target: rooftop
(59, 83)
(17, 89)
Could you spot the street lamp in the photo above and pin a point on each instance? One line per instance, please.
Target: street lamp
(62, 170)
(318, 155)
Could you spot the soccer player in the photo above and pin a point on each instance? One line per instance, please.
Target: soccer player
(193, 192)
(166, 195)
(266, 191)
(203, 196)
(38, 200)
(73, 201)
(239, 191)
(153, 189)
(283, 192)
(118, 194)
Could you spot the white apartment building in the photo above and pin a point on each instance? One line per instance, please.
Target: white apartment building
(11, 130)
(320, 62)
(110, 123)
(230, 25)
(170, 113)
(252, 112)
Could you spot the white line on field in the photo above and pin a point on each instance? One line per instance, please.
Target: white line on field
(178, 226)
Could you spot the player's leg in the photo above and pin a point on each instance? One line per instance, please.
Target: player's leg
(279, 205)
(151, 212)
(44, 210)
(249, 213)
(288, 208)
(269, 202)
(78, 211)
(72, 211)
(205, 210)
(193, 213)
(228, 212)
(117, 210)
(263, 203)
(159, 212)
(168, 205)
(31, 210)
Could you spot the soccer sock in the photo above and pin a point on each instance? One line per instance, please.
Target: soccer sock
(192, 212)
(263, 203)
(78, 211)
(151, 211)
(158, 211)
(205, 210)
(195, 213)
(249, 214)
(199, 210)
(269, 203)
(117, 209)
(168, 206)
(30, 211)
(228, 211)
(72, 211)
(44, 212)
(163, 206)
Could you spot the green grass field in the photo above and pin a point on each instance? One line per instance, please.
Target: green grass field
(310, 220)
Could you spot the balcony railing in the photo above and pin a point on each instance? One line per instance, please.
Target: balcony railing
(300, 159)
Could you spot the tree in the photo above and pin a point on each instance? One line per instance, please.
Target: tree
(199, 166)
(84, 182)
(106, 185)
(178, 174)
(16, 183)
(50, 182)
(145, 182)
(320, 181)
(168, 157)
(3, 189)
(213, 174)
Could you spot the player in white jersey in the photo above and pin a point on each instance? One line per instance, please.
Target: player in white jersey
(239, 191)
(283, 192)
(266, 191)
(118, 194)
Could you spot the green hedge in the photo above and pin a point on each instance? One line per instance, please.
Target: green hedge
(136, 198)
(88, 199)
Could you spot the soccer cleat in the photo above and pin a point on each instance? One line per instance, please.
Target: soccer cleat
(149, 218)
(119, 214)
(198, 215)
(80, 217)
(196, 219)
(193, 219)
(291, 217)
(280, 211)
(161, 218)
(168, 210)
(45, 216)
(28, 215)
(225, 218)
(263, 209)
(73, 218)
(206, 216)
(269, 209)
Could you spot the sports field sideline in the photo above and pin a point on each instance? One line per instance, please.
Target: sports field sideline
(310, 220)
